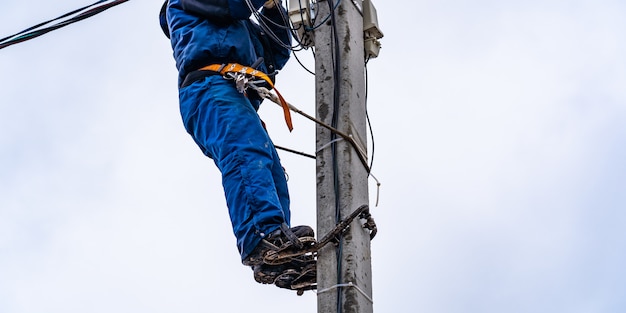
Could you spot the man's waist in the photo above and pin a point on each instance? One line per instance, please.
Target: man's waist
(195, 76)
(225, 68)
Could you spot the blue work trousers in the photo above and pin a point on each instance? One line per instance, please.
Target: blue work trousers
(226, 127)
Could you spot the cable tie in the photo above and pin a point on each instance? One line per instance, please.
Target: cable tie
(349, 284)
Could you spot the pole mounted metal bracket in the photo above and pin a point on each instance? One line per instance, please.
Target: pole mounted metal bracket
(371, 30)
(300, 17)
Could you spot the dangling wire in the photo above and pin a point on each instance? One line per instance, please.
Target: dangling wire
(265, 22)
(37, 30)
(262, 22)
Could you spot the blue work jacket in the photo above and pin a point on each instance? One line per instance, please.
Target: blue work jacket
(205, 32)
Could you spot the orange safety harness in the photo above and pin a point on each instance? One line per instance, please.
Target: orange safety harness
(235, 68)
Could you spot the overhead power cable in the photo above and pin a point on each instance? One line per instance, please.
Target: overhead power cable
(61, 21)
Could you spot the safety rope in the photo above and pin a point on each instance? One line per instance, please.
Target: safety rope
(310, 156)
(265, 93)
(276, 98)
(243, 77)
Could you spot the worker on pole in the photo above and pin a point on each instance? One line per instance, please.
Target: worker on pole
(219, 52)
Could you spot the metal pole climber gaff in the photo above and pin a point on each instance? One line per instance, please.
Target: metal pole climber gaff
(287, 253)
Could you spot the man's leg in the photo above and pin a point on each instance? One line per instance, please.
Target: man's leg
(227, 128)
(280, 182)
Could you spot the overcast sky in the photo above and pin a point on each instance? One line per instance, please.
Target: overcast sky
(500, 145)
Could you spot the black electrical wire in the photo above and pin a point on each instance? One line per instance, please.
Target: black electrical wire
(37, 30)
(302, 64)
(369, 122)
(262, 21)
(330, 16)
(44, 23)
(336, 55)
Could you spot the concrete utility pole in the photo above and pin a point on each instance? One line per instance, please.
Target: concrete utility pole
(344, 273)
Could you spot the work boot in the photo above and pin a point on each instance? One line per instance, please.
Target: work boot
(274, 241)
(307, 280)
(303, 278)
(286, 278)
(267, 274)
(284, 274)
